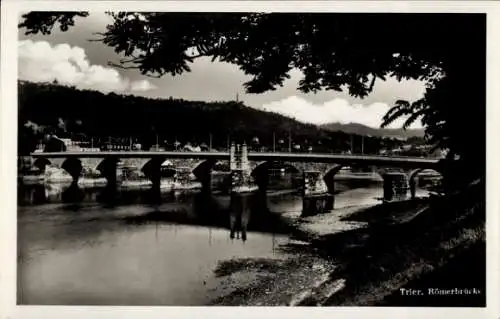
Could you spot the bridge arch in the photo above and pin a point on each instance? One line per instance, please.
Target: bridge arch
(332, 171)
(107, 164)
(260, 172)
(264, 166)
(329, 177)
(257, 166)
(202, 169)
(41, 163)
(205, 166)
(73, 166)
(152, 167)
(414, 174)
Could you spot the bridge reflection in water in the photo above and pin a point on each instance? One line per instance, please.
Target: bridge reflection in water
(238, 212)
(214, 209)
(75, 248)
(130, 250)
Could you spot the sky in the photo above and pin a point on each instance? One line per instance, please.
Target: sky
(71, 58)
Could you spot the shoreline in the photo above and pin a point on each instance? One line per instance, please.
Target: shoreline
(347, 258)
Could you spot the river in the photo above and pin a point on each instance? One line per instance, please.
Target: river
(83, 250)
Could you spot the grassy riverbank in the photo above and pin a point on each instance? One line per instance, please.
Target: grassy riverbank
(363, 256)
(416, 253)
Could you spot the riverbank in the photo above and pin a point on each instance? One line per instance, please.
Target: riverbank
(364, 255)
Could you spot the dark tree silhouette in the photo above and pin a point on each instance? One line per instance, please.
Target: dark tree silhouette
(43, 22)
(97, 116)
(54, 145)
(334, 51)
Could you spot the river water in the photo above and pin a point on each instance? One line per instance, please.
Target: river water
(83, 250)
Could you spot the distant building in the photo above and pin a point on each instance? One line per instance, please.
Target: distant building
(204, 147)
(189, 148)
(406, 147)
(156, 148)
(439, 153)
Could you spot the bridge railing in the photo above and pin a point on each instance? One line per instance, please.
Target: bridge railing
(125, 150)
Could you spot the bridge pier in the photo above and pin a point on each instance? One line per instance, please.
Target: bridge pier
(330, 185)
(75, 177)
(108, 168)
(413, 187)
(74, 168)
(395, 186)
(155, 176)
(316, 198)
(203, 174)
(242, 182)
(183, 176)
(262, 182)
(242, 189)
(241, 179)
(41, 163)
(206, 182)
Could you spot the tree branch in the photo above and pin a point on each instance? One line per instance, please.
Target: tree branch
(98, 40)
(122, 66)
(160, 74)
(373, 82)
(133, 59)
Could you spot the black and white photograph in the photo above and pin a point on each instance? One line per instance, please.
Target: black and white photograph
(250, 158)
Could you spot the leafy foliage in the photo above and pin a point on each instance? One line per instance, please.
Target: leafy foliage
(43, 22)
(334, 51)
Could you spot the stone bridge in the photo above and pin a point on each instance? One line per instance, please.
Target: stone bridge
(249, 171)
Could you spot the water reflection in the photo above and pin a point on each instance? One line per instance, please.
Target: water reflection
(84, 245)
(73, 194)
(239, 213)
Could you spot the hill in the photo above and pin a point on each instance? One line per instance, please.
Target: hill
(356, 128)
(85, 114)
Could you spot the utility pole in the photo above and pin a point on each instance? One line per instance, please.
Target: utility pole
(352, 144)
(362, 144)
(274, 142)
(289, 141)
(210, 143)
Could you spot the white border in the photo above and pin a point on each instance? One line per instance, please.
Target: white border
(8, 118)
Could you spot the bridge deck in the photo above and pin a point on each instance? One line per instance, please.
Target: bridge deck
(257, 156)
(134, 154)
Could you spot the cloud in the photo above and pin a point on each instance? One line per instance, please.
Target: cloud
(39, 61)
(142, 86)
(336, 110)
